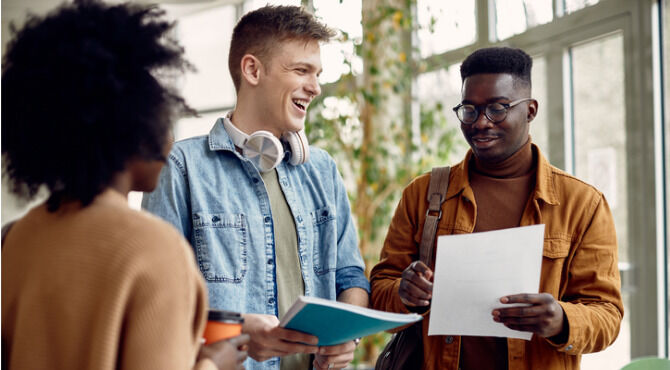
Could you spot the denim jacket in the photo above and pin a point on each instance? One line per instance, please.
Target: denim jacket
(218, 200)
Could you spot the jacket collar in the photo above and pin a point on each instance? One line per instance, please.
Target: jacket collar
(219, 138)
(545, 188)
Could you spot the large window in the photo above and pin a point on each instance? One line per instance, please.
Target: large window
(598, 107)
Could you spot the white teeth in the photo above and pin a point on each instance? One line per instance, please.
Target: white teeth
(301, 103)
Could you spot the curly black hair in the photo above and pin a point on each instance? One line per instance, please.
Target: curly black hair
(81, 97)
(499, 60)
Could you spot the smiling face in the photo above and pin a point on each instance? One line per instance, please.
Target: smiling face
(495, 142)
(287, 83)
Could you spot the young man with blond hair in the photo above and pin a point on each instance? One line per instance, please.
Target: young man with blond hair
(268, 216)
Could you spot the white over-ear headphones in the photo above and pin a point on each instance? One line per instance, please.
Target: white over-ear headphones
(265, 150)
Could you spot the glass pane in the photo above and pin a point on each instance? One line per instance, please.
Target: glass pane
(444, 86)
(516, 16)
(600, 155)
(338, 56)
(539, 128)
(205, 36)
(445, 25)
(574, 5)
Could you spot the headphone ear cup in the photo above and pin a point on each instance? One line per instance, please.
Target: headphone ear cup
(264, 150)
(297, 142)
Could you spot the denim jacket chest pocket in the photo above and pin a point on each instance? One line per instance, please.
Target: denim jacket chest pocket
(325, 238)
(220, 243)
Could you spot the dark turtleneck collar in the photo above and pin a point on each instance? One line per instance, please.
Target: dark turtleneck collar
(518, 164)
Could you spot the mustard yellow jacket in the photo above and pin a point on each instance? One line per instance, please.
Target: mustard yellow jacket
(579, 264)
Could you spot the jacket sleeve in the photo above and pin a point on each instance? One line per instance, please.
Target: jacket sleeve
(171, 198)
(399, 250)
(592, 297)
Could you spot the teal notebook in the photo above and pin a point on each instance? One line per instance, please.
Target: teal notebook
(336, 322)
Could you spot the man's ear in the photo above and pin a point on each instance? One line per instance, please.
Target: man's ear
(251, 69)
(532, 110)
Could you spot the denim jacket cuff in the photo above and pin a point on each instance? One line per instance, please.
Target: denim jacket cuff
(351, 277)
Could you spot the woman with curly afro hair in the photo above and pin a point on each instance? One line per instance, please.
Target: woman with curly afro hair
(87, 282)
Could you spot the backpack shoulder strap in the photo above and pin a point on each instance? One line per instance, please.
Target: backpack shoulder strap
(437, 194)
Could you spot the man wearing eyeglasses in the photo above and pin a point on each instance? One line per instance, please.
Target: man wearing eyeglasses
(504, 182)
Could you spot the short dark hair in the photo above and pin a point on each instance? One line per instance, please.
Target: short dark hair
(499, 60)
(81, 97)
(258, 31)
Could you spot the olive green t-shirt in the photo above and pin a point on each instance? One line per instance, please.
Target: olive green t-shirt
(289, 275)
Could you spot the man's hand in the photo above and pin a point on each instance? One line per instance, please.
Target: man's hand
(269, 340)
(334, 357)
(544, 316)
(416, 286)
(227, 354)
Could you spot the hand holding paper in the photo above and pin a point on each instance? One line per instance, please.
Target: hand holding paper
(545, 317)
(472, 273)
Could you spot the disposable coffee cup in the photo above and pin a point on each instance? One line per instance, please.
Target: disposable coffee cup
(222, 325)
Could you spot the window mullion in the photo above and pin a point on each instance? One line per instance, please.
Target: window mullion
(485, 22)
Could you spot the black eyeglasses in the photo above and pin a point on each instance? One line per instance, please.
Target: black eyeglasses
(495, 112)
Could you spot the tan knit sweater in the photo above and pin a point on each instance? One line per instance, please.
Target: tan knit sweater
(100, 287)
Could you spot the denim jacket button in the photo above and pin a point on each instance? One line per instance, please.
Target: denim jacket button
(270, 261)
(324, 213)
(255, 180)
(216, 219)
(449, 339)
(271, 301)
(267, 219)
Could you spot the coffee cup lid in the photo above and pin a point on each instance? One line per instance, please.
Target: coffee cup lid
(222, 315)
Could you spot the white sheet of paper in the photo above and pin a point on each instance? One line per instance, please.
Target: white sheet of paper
(472, 273)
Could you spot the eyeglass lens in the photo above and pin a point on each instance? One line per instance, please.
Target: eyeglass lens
(495, 112)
